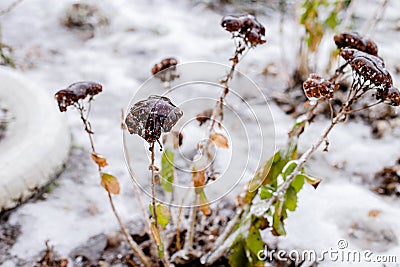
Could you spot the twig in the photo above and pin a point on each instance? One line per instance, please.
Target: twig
(11, 7)
(138, 194)
(190, 235)
(153, 186)
(134, 246)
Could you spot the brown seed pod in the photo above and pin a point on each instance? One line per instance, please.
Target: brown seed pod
(164, 64)
(149, 118)
(393, 96)
(354, 40)
(369, 67)
(246, 27)
(231, 23)
(316, 87)
(76, 91)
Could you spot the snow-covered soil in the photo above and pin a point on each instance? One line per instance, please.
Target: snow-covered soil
(121, 55)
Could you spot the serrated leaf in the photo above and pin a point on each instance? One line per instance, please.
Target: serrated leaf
(99, 159)
(204, 203)
(291, 199)
(163, 214)
(219, 140)
(167, 170)
(110, 183)
(298, 182)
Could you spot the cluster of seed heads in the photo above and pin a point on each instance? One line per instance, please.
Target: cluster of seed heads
(151, 117)
(163, 65)
(354, 40)
(316, 87)
(372, 69)
(75, 92)
(245, 27)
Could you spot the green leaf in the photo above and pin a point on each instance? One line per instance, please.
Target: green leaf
(167, 170)
(298, 182)
(277, 224)
(291, 199)
(266, 192)
(254, 243)
(238, 256)
(331, 21)
(288, 169)
(163, 215)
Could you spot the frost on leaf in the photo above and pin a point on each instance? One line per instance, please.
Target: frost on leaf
(316, 87)
(75, 92)
(151, 117)
(354, 40)
(246, 27)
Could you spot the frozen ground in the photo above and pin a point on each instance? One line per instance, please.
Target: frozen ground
(120, 56)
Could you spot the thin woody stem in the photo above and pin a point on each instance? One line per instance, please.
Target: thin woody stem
(153, 186)
(134, 246)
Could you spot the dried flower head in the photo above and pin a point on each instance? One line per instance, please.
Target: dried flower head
(149, 118)
(76, 91)
(392, 96)
(316, 87)
(246, 27)
(368, 68)
(164, 64)
(354, 40)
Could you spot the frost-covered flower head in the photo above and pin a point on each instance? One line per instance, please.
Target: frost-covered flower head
(75, 92)
(151, 117)
(245, 27)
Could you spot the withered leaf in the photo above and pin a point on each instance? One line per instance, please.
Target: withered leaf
(219, 140)
(99, 159)
(110, 183)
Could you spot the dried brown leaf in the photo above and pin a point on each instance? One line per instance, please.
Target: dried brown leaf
(219, 140)
(99, 159)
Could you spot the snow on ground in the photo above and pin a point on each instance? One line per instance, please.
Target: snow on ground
(120, 57)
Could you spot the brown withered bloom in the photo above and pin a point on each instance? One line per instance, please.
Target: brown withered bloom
(369, 68)
(164, 64)
(316, 87)
(75, 92)
(354, 40)
(151, 117)
(246, 27)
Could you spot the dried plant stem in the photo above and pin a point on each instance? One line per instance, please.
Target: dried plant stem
(134, 246)
(222, 248)
(10, 8)
(190, 235)
(153, 186)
